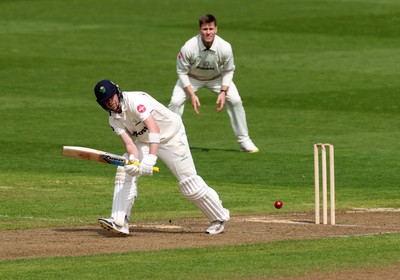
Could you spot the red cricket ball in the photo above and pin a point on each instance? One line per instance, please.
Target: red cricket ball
(278, 204)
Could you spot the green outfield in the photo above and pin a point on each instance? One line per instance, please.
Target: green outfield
(308, 71)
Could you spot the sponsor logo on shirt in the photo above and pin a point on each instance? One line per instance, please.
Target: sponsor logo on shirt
(205, 66)
(137, 133)
(141, 108)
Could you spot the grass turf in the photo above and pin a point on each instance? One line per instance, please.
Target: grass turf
(308, 72)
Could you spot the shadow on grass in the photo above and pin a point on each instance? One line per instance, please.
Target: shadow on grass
(202, 149)
(138, 229)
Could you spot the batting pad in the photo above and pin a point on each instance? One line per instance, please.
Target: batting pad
(131, 183)
(205, 198)
(124, 196)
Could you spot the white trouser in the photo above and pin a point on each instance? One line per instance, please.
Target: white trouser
(176, 154)
(234, 105)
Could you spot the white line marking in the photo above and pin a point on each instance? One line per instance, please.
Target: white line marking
(158, 226)
(374, 210)
(273, 221)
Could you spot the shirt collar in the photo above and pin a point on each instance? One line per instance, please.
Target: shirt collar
(203, 47)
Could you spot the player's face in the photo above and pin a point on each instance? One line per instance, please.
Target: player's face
(207, 32)
(112, 103)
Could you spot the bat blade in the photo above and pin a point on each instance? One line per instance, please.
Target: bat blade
(97, 155)
(93, 154)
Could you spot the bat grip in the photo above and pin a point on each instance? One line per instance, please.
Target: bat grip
(155, 169)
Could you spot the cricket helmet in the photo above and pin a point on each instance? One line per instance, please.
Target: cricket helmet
(104, 90)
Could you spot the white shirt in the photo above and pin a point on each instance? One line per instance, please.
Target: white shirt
(196, 61)
(136, 107)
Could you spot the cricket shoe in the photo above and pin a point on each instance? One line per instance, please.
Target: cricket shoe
(248, 147)
(109, 224)
(216, 227)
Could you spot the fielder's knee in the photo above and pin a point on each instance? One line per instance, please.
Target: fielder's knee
(235, 102)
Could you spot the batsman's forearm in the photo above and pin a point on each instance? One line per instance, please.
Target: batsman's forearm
(130, 146)
(153, 148)
(133, 152)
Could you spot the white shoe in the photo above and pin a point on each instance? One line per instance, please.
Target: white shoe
(248, 147)
(108, 224)
(216, 227)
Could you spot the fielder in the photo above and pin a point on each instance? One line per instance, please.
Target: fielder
(150, 131)
(206, 61)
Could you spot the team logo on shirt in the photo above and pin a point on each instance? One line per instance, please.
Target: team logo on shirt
(180, 56)
(205, 66)
(141, 108)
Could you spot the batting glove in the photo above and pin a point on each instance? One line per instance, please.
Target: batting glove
(147, 164)
(131, 168)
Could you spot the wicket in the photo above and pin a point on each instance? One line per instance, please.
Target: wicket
(323, 148)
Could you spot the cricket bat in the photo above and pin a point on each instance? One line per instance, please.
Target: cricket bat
(97, 155)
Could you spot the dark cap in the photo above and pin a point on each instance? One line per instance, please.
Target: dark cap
(104, 90)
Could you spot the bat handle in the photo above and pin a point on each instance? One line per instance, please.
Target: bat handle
(155, 169)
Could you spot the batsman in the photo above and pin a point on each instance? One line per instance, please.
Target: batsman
(149, 131)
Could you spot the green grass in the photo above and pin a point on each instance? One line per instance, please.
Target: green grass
(308, 71)
(258, 261)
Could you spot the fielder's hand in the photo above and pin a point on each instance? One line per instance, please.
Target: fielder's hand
(131, 168)
(221, 101)
(195, 103)
(147, 164)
